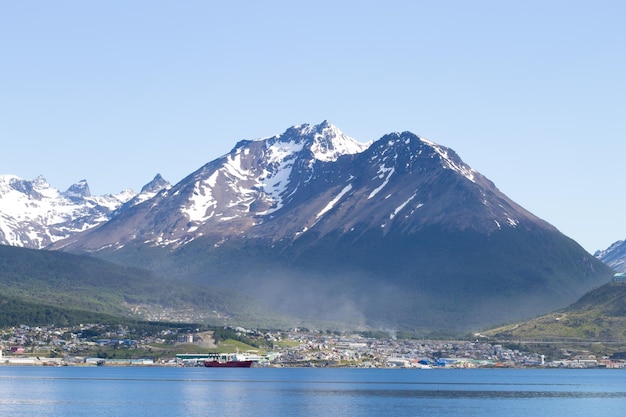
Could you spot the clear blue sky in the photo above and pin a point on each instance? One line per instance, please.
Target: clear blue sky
(530, 93)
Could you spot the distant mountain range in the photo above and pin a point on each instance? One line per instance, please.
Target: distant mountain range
(35, 215)
(398, 232)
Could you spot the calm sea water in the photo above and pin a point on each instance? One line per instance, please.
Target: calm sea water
(259, 392)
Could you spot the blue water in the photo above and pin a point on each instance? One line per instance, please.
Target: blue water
(259, 392)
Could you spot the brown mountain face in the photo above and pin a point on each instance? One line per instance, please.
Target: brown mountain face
(399, 232)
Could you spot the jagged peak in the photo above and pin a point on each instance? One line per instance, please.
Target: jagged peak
(157, 184)
(319, 129)
(41, 182)
(31, 188)
(79, 189)
(325, 141)
(38, 182)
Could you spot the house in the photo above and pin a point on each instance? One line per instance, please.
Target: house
(620, 277)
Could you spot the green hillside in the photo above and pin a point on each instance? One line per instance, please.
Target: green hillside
(15, 311)
(597, 319)
(37, 284)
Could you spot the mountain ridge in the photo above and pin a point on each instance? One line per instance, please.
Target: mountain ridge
(246, 190)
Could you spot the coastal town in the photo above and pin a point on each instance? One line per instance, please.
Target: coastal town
(93, 344)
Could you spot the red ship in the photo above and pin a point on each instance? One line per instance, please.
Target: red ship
(226, 360)
(228, 364)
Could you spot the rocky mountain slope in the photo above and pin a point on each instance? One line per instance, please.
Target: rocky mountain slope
(399, 232)
(614, 256)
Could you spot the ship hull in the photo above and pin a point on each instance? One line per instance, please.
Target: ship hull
(229, 364)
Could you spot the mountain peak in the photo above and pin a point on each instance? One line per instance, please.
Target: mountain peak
(35, 189)
(40, 182)
(326, 142)
(157, 184)
(417, 149)
(147, 192)
(78, 190)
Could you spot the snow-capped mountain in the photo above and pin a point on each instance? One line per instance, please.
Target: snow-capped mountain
(614, 256)
(313, 179)
(35, 215)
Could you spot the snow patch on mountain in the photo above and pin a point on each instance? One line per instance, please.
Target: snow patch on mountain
(334, 201)
(329, 143)
(463, 169)
(233, 168)
(402, 206)
(200, 202)
(275, 178)
(381, 174)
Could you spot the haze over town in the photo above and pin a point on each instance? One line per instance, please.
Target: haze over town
(528, 94)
